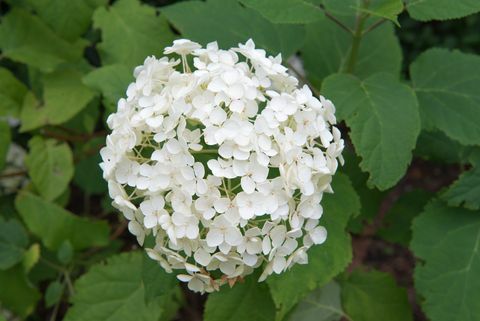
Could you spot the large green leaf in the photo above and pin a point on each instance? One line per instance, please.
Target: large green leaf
(112, 81)
(130, 32)
(323, 304)
(64, 96)
(286, 11)
(114, 291)
(326, 260)
(13, 241)
(12, 92)
(26, 39)
(54, 225)
(434, 145)
(447, 241)
(388, 9)
(374, 296)
(246, 301)
(5, 138)
(379, 51)
(382, 114)
(425, 10)
(398, 220)
(229, 23)
(50, 165)
(446, 83)
(16, 292)
(157, 282)
(465, 191)
(69, 19)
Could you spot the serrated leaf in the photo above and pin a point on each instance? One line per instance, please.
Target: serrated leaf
(370, 107)
(21, 297)
(425, 10)
(53, 224)
(25, 38)
(388, 9)
(374, 296)
(5, 138)
(50, 166)
(465, 191)
(213, 21)
(112, 81)
(245, 301)
(114, 291)
(323, 304)
(325, 260)
(129, 38)
(69, 19)
(286, 11)
(12, 92)
(446, 83)
(53, 294)
(447, 241)
(379, 51)
(13, 241)
(156, 280)
(64, 96)
(398, 220)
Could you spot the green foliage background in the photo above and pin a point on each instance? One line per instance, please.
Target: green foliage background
(411, 184)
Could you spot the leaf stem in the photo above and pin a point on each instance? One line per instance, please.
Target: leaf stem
(338, 22)
(357, 38)
(374, 26)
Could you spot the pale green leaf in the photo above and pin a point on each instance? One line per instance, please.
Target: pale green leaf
(379, 51)
(250, 300)
(31, 257)
(465, 191)
(27, 39)
(325, 260)
(53, 224)
(114, 291)
(446, 83)
(374, 296)
(131, 31)
(286, 11)
(64, 96)
(447, 241)
(5, 138)
(425, 10)
(12, 92)
(213, 21)
(13, 241)
(50, 165)
(323, 304)
(21, 297)
(370, 107)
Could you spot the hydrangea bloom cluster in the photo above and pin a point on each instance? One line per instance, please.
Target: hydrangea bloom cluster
(224, 164)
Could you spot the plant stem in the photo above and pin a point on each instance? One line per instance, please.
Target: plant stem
(338, 22)
(357, 38)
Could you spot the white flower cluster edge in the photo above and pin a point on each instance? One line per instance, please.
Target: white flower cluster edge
(225, 164)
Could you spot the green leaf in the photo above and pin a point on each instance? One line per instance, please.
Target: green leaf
(114, 291)
(56, 107)
(129, 38)
(21, 297)
(50, 165)
(53, 294)
(5, 138)
(425, 10)
(69, 19)
(465, 191)
(25, 38)
(65, 252)
(111, 81)
(13, 241)
(286, 11)
(53, 224)
(370, 107)
(156, 280)
(436, 146)
(12, 93)
(325, 260)
(447, 240)
(228, 23)
(31, 257)
(323, 304)
(93, 183)
(245, 301)
(398, 219)
(379, 51)
(388, 9)
(446, 83)
(374, 296)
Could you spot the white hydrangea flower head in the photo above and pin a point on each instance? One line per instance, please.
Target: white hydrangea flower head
(224, 162)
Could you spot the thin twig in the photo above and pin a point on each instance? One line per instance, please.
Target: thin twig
(338, 22)
(374, 26)
(13, 174)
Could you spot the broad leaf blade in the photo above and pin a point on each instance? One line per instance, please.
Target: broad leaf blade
(425, 10)
(286, 11)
